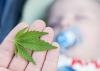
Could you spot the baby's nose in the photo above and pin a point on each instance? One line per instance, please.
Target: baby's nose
(67, 22)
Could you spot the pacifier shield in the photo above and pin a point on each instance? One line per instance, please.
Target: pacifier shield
(66, 39)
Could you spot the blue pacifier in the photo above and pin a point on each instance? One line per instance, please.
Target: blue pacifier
(68, 38)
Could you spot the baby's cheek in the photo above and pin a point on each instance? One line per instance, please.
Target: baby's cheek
(90, 34)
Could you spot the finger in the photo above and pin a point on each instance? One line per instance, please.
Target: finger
(39, 25)
(7, 47)
(18, 63)
(51, 61)
(39, 57)
(4, 69)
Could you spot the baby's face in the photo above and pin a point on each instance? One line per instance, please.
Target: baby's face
(85, 15)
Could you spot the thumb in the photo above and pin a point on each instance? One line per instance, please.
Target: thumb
(7, 47)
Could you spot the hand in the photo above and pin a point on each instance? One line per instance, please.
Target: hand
(45, 61)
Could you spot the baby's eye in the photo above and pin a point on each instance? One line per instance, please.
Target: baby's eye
(54, 23)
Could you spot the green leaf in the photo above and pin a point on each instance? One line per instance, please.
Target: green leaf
(30, 40)
(31, 34)
(24, 54)
(37, 45)
(21, 32)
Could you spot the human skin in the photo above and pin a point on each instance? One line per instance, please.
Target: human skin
(45, 61)
(85, 14)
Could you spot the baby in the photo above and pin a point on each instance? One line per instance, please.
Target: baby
(77, 28)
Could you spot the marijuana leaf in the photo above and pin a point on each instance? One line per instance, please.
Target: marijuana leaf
(30, 40)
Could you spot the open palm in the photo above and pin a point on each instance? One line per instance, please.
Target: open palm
(46, 61)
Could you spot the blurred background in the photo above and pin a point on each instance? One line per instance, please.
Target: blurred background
(14, 11)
